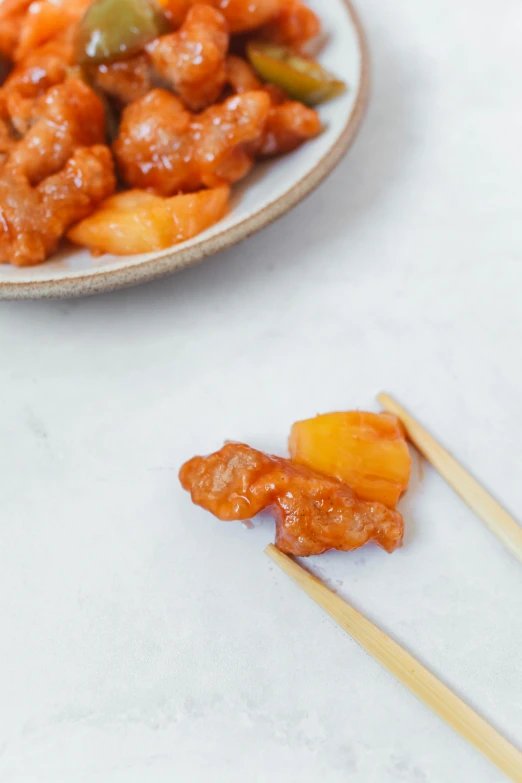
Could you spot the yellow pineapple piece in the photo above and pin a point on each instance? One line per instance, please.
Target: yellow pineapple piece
(367, 451)
(140, 222)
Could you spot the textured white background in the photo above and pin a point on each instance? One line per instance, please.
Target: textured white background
(142, 641)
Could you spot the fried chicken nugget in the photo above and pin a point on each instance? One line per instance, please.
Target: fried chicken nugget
(289, 123)
(70, 115)
(47, 20)
(163, 147)
(32, 220)
(125, 80)
(193, 58)
(294, 25)
(44, 68)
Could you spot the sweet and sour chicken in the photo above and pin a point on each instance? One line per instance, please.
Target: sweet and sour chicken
(162, 98)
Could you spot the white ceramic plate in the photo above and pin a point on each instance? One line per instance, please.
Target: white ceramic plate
(270, 191)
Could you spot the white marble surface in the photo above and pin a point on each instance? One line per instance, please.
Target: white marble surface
(142, 641)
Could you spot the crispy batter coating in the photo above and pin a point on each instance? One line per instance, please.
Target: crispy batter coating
(163, 147)
(313, 512)
(125, 80)
(193, 59)
(241, 15)
(70, 115)
(32, 220)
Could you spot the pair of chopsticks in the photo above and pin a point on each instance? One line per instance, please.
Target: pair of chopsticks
(387, 652)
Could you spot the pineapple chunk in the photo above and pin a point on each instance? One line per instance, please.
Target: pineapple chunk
(139, 222)
(367, 451)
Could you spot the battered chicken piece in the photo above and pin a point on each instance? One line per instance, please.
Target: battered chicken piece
(193, 58)
(46, 21)
(241, 15)
(12, 14)
(32, 220)
(241, 76)
(125, 80)
(70, 115)
(313, 512)
(289, 124)
(163, 147)
(44, 68)
(294, 26)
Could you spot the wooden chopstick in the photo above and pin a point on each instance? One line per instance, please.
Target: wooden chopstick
(407, 670)
(478, 499)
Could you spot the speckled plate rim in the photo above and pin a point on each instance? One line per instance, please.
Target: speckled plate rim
(109, 280)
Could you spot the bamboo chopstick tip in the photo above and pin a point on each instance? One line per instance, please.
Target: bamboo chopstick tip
(274, 553)
(385, 399)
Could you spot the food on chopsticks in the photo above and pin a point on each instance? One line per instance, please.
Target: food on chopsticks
(366, 450)
(315, 508)
(313, 512)
(159, 93)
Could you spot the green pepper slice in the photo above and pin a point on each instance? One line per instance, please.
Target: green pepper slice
(116, 29)
(301, 78)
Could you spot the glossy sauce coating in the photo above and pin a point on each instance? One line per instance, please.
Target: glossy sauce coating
(48, 20)
(313, 512)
